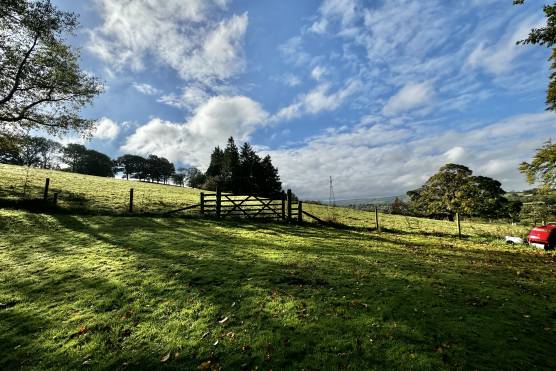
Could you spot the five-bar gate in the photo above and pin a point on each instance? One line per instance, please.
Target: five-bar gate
(222, 205)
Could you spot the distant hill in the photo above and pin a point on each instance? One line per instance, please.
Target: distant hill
(371, 200)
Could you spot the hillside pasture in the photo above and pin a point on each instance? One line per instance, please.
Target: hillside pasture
(84, 193)
(144, 292)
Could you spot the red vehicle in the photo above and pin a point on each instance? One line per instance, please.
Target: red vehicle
(543, 237)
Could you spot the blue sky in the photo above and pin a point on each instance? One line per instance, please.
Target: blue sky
(376, 94)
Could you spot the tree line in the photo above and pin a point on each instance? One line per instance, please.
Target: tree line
(240, 171)
(35, 151)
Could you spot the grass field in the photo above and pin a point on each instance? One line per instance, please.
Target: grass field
(142, 292)
(95, 194)
(111, 291)
(106, 195)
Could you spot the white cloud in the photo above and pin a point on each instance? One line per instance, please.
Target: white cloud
(411, 96)
(183, 35)
(146, 89)
(106, 129)
(498, 58)
(317, 100)
(318, 72)
(384, 160)
(211, 124)
(191, 96)
(344, 11)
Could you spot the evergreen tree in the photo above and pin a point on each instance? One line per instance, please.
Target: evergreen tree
(248, 167)
(216, 163)
(230, 167)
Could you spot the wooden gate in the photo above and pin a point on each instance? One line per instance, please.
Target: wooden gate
(222, 205)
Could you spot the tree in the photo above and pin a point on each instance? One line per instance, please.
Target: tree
(41, 84)
(130, 164)
(159, 169)
(542, 168)
(195, 177)
(87, 161)
(248, 167)
(216, 163)
(268, 178)
(455, 190)
(73, 155)
(546, 36)
(179, 177)
(230, 166)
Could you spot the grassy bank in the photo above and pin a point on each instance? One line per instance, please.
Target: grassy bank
(107, 195)
(109, 291)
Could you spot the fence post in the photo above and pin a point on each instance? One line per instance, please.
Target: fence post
(300, 212)
(376, 219)
(218, 202)
(202, 203)
(458, 224)
(46, 184)
(289, 205)
(131, 200)
(283, 206)
(55, 201)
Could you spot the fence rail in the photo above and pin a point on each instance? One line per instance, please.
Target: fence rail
(222, 205)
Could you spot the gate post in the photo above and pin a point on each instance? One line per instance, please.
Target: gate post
(300, 212)
(46, 184)
(283, 196)
(218, 202)
(202, 203)
(289, 205)
(376, 219)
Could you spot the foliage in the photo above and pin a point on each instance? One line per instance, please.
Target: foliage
(242, 171)
(28, 150)
(41, 84)
(84, 193)
(546, 36)
(87, 161)
(455, 190)
(131, 165)
(147, 293)
(542, 168)
(195, 177)
(158, 169)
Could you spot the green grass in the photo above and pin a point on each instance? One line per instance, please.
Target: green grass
(106, 195)
(91, 193)
(110, 291)
(115, 292)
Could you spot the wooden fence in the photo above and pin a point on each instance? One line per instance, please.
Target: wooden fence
(223, 205)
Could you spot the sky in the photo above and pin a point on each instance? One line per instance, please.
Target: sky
(377, 94)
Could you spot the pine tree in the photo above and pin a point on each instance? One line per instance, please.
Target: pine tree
(230, 167)
(216, 163)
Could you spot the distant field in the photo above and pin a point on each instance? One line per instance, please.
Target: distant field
(96, 194)
(188, 293)
(107, 195)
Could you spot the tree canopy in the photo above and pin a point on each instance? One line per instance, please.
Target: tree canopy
(454, 189)
(546, 36)
(41, 83)
(242, 171)
(542, 168)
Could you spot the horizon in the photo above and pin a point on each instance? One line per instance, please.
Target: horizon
(375, 97)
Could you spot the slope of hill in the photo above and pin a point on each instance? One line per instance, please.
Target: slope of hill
(112, 291)
(108, 195)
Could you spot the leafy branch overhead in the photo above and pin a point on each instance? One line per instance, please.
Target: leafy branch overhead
(41, 83)
(546, 36)
(542, 168)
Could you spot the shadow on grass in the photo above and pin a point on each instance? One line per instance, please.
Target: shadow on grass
(295, 297)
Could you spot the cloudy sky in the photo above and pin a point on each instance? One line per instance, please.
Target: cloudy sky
(377, 94)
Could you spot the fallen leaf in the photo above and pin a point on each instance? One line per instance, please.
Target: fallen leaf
(165, 358)
(204, 365)
(205, 334)
(224, 320)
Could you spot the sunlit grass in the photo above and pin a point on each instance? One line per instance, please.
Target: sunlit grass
(141, 292)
